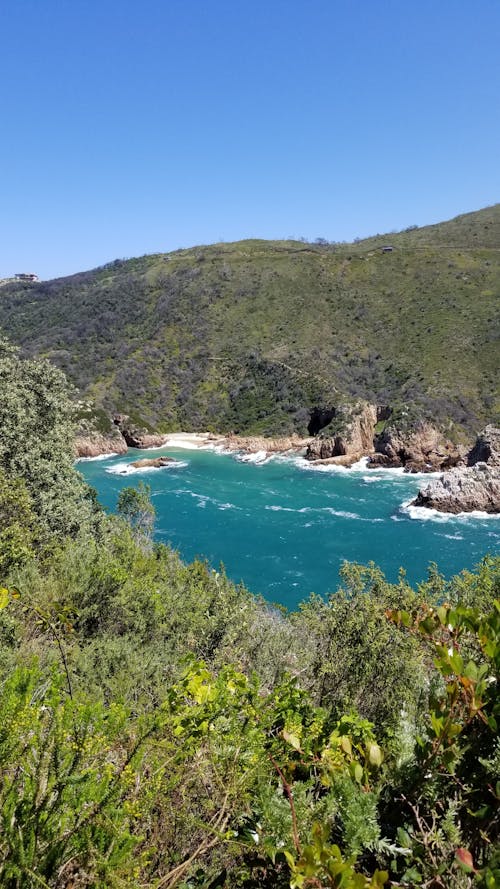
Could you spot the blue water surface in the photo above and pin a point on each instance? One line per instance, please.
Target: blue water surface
(284, 527)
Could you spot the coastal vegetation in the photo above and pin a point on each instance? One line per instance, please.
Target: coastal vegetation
(253, 336)
(162, 727)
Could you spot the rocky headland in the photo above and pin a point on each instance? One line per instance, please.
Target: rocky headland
(367, 430)
(471, 487)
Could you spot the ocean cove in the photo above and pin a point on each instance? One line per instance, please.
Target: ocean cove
(284, 526)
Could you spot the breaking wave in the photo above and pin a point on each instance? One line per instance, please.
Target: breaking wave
(128, 469)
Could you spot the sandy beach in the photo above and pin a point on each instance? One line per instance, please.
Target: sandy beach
(250, 444)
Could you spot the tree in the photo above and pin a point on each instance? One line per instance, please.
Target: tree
(37, 413)
(134, 505)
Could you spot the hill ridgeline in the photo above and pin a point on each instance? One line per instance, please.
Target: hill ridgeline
(259, 337)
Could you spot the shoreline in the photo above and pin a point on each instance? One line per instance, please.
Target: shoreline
(103, 446)
(262, 448)
(209, 442)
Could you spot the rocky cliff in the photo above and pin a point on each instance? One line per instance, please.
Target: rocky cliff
(96, 444)
(349, 435)
(137, 436)
(419, 448)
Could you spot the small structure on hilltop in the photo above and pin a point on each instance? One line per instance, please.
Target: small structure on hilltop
(27, 276)
(387, 248)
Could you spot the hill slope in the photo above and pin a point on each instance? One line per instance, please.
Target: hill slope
(250, 336)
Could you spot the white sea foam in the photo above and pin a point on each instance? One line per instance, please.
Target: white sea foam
(360, 464)
(342, 513)
(370, 475)
(128, 469)
(453, 536)
(332, 468)
(377, 474)
(259, 457)
(204, 499)
(425, 513)
(99, 457)
(217, 449)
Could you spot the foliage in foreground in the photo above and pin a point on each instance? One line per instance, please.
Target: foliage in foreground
(219, 780)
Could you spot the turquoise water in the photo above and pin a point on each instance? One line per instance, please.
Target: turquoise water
(284, 527)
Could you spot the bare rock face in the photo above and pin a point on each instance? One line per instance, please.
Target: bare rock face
(254, 443)
(486, 448)
(420, 449)
(463, 490)
(96, 444)
(350, 434)
(152, 463)
(135, 436)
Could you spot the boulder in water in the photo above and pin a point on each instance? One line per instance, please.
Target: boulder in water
(152, 462)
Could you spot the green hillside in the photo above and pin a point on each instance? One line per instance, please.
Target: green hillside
(250, 336)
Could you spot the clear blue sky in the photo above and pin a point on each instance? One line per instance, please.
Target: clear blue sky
(135, 127)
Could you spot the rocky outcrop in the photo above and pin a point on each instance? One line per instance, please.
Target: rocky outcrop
(463, 490)
(472, 487)
(349, 435)
(152, 463)
(421, 448)
(96, 444)
(486, 448)
(137, 436)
